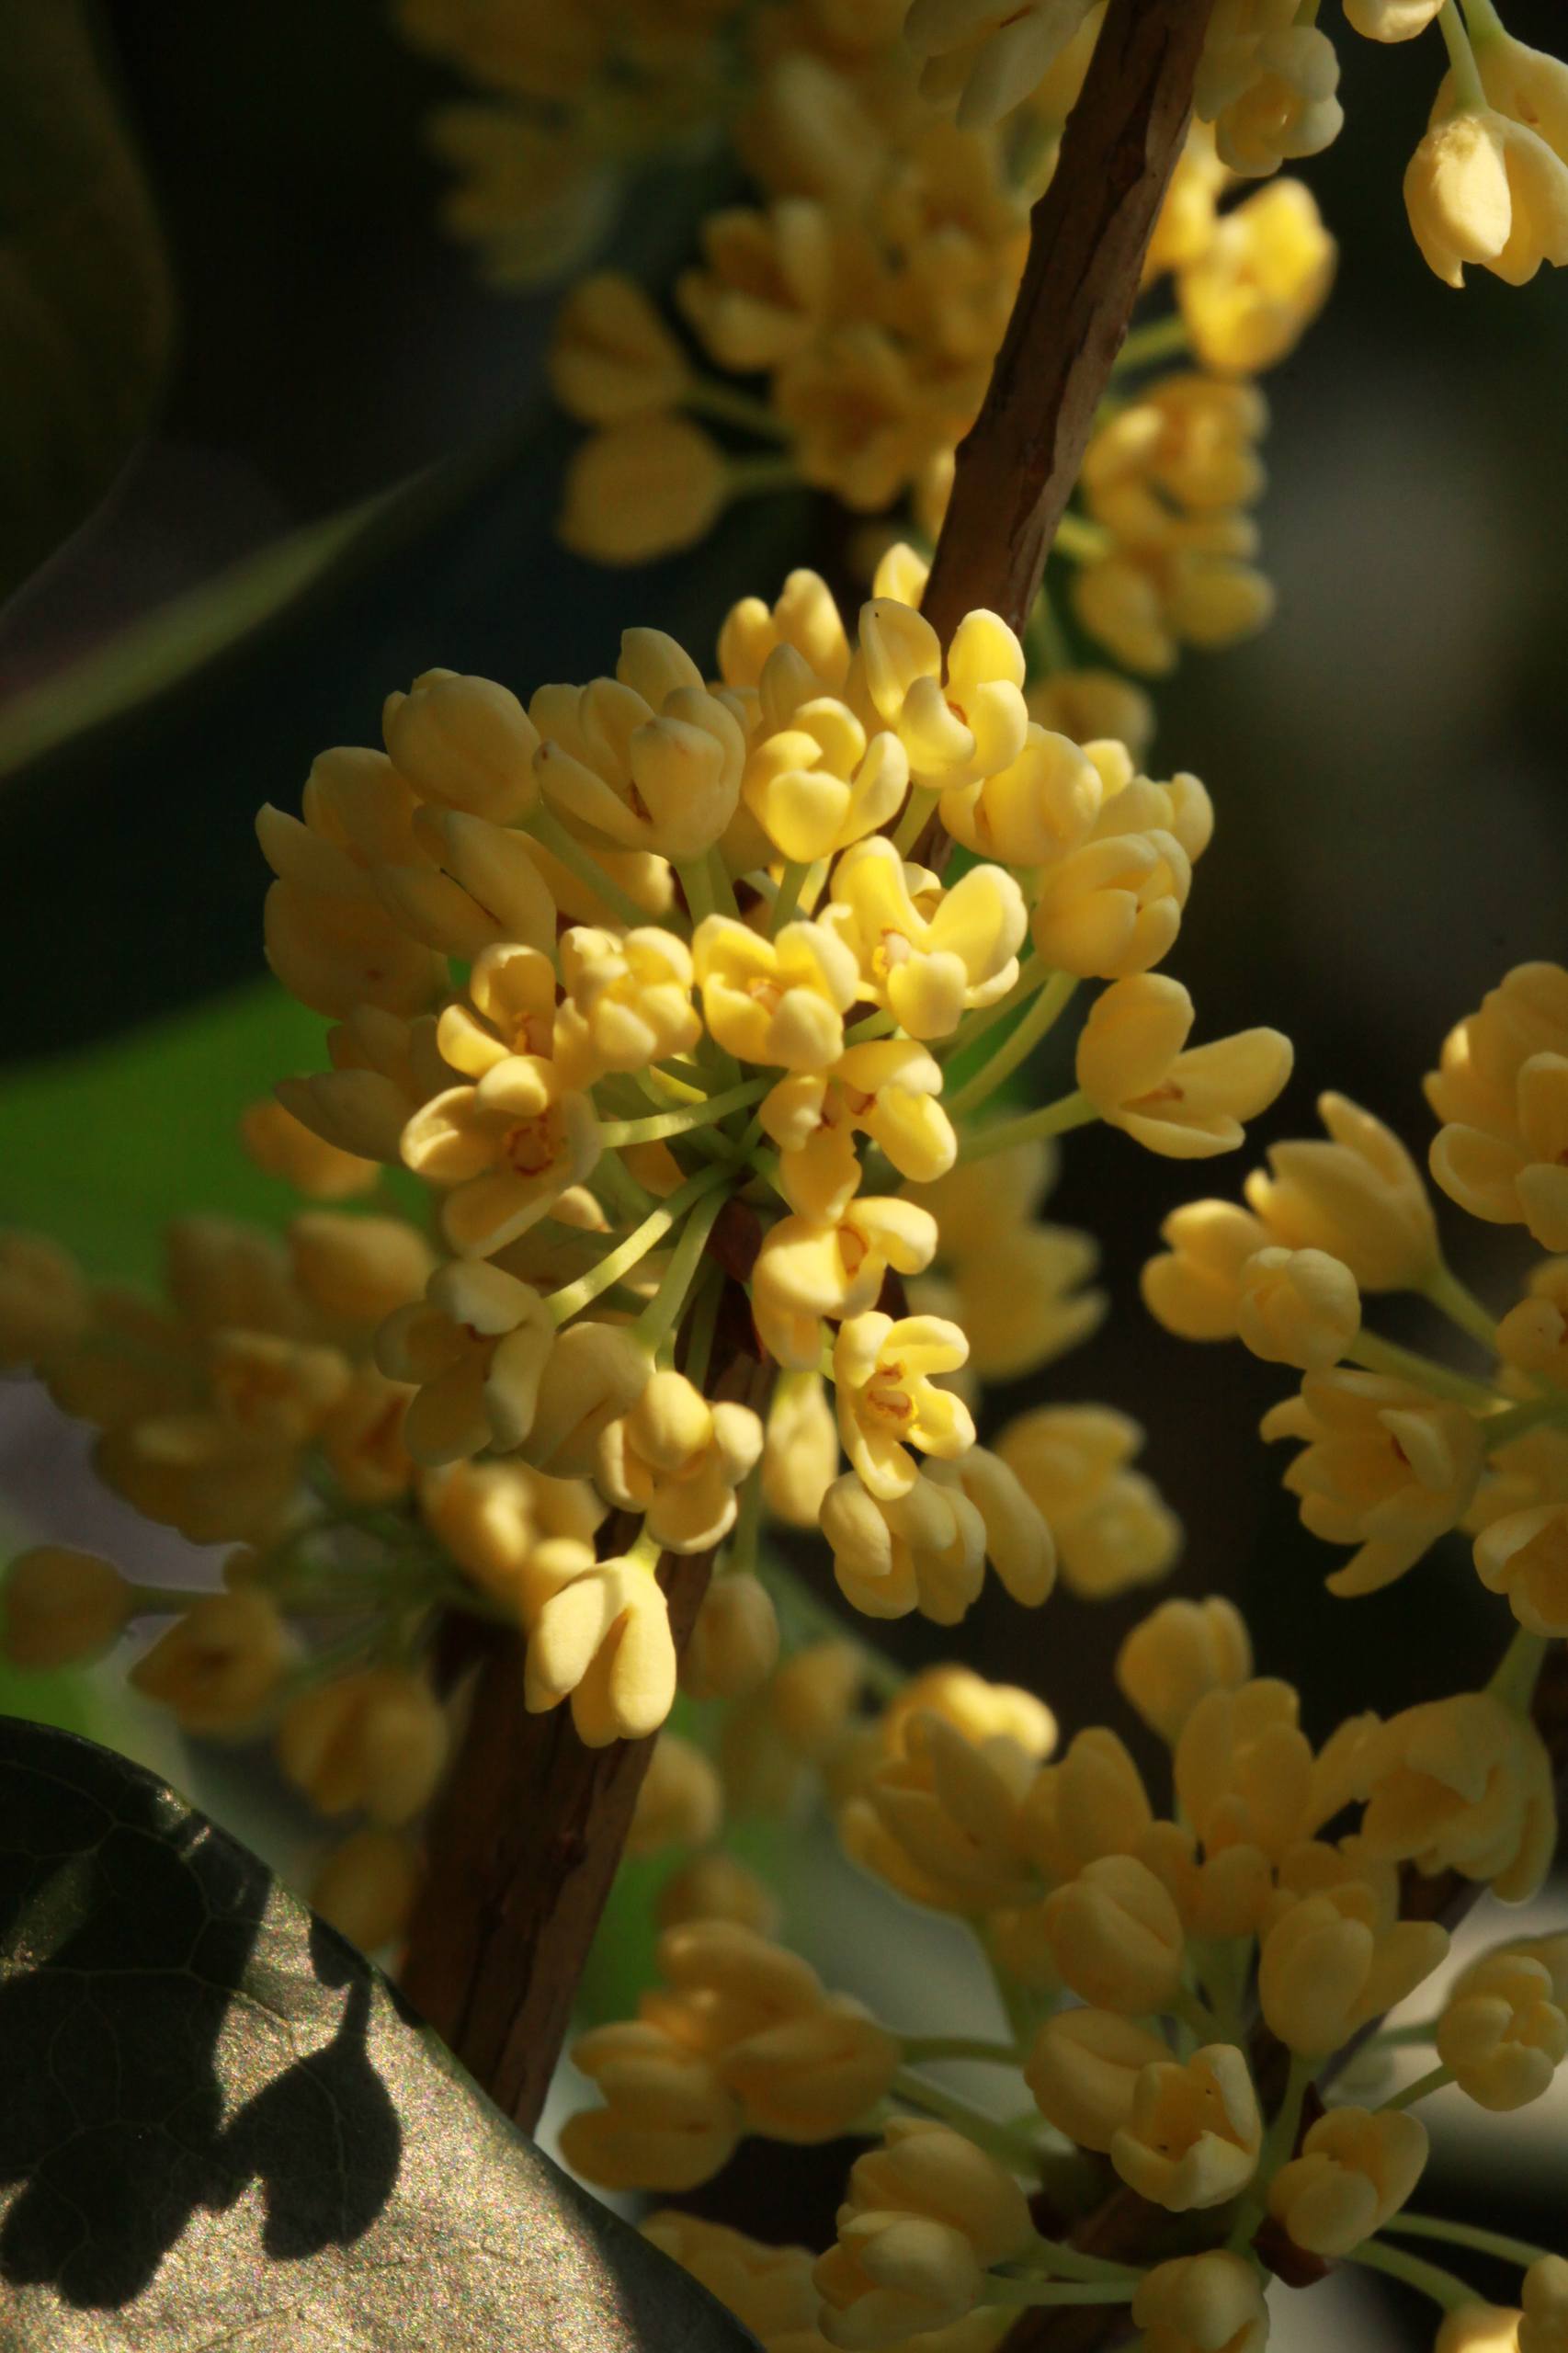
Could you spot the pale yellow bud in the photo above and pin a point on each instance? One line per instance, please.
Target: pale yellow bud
(218, 1666)
(1360, 1196)
(642, 488)
(1391, 20)
(464, 742)
(602, 1639)
(1194, 1288)
(1083, 2067)
(1355, 2169)
(926, 2168)
(892, 2277)
(1092, 1803)
(1484, 188)
(716, 1887)
(1502, 2032)
(1261, 282)
(1117, 1936)
(358, 1269)
(59, 1606)
(734, 1647)
(924, 1549)
(799, 1454)
(681, 1801)
(375, 1739)
(596, 1372)
(366, 1888)
(1461, 1784)
(1479, 2328)
(283, 1146)
(611, 355)
(1084, 704)
(668, 2122)
(1194, 2133)
(1543, 2326)
(812, 2079)
(1325, 1967)
(813, 1696)
(1202, 2303)
(1385, 1467)
(1180, 1652)
(1298, 1307)
(1184, 1104)
(979, 1710)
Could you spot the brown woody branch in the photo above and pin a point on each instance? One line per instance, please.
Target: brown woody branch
(530, 1828)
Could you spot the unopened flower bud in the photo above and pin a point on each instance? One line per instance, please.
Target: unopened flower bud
(218, 1665)
(1502, 2032)
(1202, 2303)
(681, 1801)
(1178, 1652)
(734, 1644)
(59, 1606)
(1117, 1936)
(1355, 2169)
(466, 742)
(1081, 2069)
(374, 1739)
(366, 1888)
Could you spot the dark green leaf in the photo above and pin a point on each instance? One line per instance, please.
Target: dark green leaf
(221, 2127)
(85, 299)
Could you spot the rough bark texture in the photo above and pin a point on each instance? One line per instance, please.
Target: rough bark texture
(1019, 461)
(526, 1841)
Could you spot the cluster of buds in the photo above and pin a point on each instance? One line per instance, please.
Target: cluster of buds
(651, 987)
(1133, 1950)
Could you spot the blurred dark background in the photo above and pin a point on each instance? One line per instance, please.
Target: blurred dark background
(1387, 760)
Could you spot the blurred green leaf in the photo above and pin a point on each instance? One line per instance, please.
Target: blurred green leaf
(86, 304)
(101, 1149)
(221, 2125)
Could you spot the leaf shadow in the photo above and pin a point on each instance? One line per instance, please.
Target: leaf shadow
(172, 2031)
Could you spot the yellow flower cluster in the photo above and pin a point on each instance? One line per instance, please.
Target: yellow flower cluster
(863, 295)
(651, 987)
(1129, 1947)
(1397, 1448)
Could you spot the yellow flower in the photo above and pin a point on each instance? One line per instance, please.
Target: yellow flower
(1113, 907)
(596, 1371)
(1176, 1655)
(1355, 2169)
(366, 1888)
(927, 2215)
(1083, 2067)
(769, 280)
(668, 2122)
(1202, 2303)
(1111, 1528)
(1131, 1066)
(641, 488)
(924, 1549)
(681, 1801)
(981, 1710)
(986, 56)
(482, 886)
(1245, 1773)
(678, 1461)
(1521, 82)
(1533, 1335)
(1543, 2325)
(800, 1454)
(647, 760)
(1298, 1307)
(1479, 2328)
(1249, 298)
(958, 721)
(1484, 188)
(942, 1822)
(59, 1606)
(1038, 806)
(1193, 2135)
(1194, 1288)
(715, 1887)
(611, 355)
(502, 1150)
(375, 1739)
(1524, 1554)
(1117, 1936)
(1186, 218)
(1461, 1784)
(1477, 1081)
(476, 1346)
(1502, 2033)
(1092, 1803)
(602, 1639)
(1289, 109)
(1359, 1197)
(769, 2289)
(218, 1665)
(805, 619)
(1327, 1966)
(862, 421)
(463, 741)
(734, 1647)
(281, 1145)
(355, 1270)
(887, 1089)
(383, 1070)
(1084, 704)
(888, 1401)
(1386, 1467)
(1390, 20)
(926, 953)
(1518, 1177)
(815, 781)
(806, 1270)
(809, 2079)
(779, 1001)
(1170, 579)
